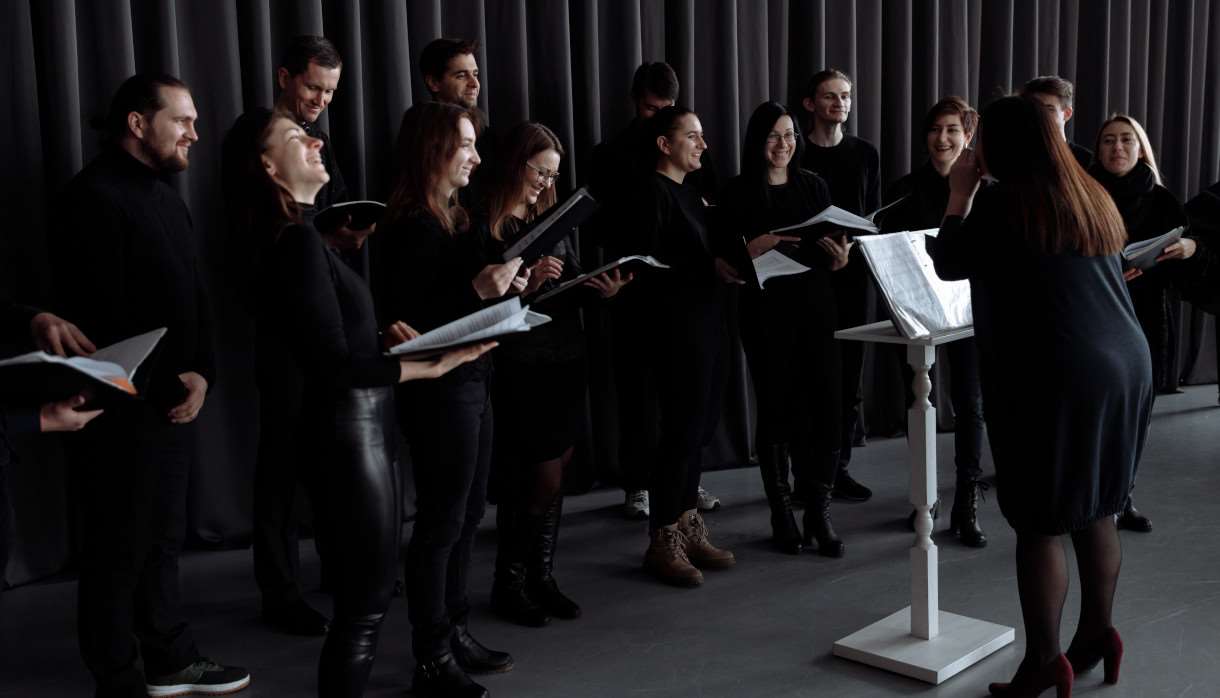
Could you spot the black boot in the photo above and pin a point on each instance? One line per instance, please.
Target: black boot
(1132, 520)
(773, 466)
(964, 519)
(508, 595)
(348, 655)
(540, 583)
(821, 468)
(443, 678)
(472, 656)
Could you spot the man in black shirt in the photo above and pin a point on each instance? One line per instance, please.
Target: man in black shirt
(851, 167)
(123, 254)
(620, 166)
(1056, 94)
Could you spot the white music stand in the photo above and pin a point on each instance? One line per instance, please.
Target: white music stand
(921, 641)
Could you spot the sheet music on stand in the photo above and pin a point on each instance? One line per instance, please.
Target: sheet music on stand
(920, 302)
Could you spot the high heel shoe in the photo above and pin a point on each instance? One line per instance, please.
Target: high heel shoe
(1057, 673)
(1108, 647)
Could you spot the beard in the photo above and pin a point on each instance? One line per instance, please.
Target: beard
(165, 161)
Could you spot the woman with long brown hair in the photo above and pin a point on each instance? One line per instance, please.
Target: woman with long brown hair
(540, 382)
(426, 276)
(324, 312)
(1065, 372)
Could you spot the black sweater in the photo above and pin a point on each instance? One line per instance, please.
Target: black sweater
(852, 169)
(423, 275)
(123, 253)
(323, 311)
(750, 212)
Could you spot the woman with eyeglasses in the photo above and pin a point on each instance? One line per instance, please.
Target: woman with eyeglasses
(788, 327)
(427, 275)
(314, 298)
(1126, 167)
(683, 328)
(538, 390)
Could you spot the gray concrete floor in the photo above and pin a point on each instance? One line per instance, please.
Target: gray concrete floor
(764, 628)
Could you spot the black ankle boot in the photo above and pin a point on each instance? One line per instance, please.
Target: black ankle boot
(443, 678)
(964, 519)
(348, 655)
(508, 594)
(1132, 520)
(773, 466)
(816, 521)
(540, 583)
(472, 656)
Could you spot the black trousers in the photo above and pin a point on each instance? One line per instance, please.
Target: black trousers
(356, 510)
(966, 393)
(795, 367)
(449, 428)
(853, 297)
(636, 388)
(134, 467)
(690, 374)
(279, 474)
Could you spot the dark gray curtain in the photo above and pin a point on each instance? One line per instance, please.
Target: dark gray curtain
(567, 64)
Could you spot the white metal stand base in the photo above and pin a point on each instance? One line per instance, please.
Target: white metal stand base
(921, 641)
(888, 644)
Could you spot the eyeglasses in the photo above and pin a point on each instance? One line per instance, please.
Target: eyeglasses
(786, 136)
(545, 175)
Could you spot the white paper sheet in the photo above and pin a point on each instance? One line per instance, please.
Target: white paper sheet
(773, 263)
(641, 258)
(115, 364)
(1143, 254)
(920, 302)
(506, 317)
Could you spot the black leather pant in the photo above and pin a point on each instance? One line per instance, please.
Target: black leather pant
(356, 504)
(449, 428)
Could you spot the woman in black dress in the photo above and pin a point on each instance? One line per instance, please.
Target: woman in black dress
(324, 312)
(539, 386)
(788, 328)
(1065, 370)
(426, 274)
(684, 330)
(919, 201)
(1126, 167)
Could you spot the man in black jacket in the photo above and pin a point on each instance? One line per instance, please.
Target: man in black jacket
(124, 256)
(1057, 95)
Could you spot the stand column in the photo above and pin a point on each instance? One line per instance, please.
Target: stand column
(921, 430)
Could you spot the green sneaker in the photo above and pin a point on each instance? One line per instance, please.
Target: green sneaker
(202, 678)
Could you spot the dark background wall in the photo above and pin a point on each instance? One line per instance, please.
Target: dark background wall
(567, 64)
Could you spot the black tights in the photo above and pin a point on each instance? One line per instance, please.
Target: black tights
(1042, 582)
(540, 484)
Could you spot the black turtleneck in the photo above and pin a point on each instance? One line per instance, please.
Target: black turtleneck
(123, 254)
(1148, 209)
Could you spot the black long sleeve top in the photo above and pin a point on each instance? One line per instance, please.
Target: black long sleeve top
(323, 311)
(852, 169)
(423, 275)
(123, 254)
(750, 212)
(1148, 210)
(562, 338)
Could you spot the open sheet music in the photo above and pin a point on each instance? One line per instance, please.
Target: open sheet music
(920, 302)
(827, 221)
(39, 377)
(504, 318)
(1143, 254)
(635, 260)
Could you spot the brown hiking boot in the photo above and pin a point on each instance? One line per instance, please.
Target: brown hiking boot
(667, 561)
(698, 548)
